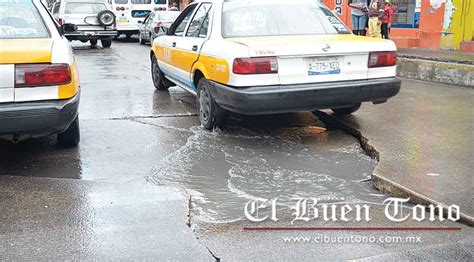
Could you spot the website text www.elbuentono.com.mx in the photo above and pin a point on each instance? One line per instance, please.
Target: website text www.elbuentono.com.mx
(353, 239)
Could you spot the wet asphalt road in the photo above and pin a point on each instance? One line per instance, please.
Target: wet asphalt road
(131, 132)
(124, 192)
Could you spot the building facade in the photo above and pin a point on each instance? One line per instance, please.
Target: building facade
(434, 24)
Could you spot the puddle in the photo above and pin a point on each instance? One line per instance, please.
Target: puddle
(224, 170)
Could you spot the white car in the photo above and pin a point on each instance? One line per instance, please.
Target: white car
(271, 56)
(130, 13)
(94, 20)
(153, 25)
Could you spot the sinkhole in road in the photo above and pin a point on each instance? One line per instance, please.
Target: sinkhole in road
(223, 170)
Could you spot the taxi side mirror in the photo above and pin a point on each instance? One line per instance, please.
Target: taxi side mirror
(68, 28)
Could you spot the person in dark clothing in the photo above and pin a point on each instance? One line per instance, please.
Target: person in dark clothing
(387, 19)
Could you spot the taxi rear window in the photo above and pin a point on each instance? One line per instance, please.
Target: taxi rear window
(21, 20)
(241, 18)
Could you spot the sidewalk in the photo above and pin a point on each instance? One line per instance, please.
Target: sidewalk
(424, 140)
(448, 67)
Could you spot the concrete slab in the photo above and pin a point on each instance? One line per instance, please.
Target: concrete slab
(424, 140)
(67, 219)
(437, 55)
(448, 67)
(435, 71)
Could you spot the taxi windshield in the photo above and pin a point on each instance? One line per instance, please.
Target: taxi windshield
(242, 18)
(21, 20)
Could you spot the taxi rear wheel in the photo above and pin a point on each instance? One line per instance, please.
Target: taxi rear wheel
(72, 135)
(210, 113)
(346, 110)
(93, 42)
(106, 43)
(157, 76)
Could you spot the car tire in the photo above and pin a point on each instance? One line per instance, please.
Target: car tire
(346, 110)
(210, 113)
(106, 43)
(141, 40)
(157, 76)
(72, 135)
(151, 39)
(93, 42)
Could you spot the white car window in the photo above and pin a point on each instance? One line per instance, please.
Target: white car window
(21, 20)
(198, 20)
(56, 8)
(141, 2)
(267, 19)
(84, 8)
(166, 16)
(179, 31)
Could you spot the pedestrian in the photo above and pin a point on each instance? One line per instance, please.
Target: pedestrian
(376, 12)
(387, 19)
(174, 7)
(359, 16)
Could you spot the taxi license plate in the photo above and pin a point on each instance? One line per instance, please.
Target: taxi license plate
(122, 20)
(323, 66)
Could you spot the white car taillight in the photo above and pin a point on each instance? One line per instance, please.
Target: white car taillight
(382, 59)
(31, 75)
(258, 65)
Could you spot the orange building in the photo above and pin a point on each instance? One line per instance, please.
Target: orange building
(434, 24)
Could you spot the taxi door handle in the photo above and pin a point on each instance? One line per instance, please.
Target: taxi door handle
(195, 48)
(173, 44)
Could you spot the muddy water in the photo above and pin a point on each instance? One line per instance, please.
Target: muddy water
(223, 170)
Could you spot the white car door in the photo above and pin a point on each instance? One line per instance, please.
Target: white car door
(174, 61)
(194, 38)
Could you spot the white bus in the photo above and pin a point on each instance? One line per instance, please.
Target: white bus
(130, 13)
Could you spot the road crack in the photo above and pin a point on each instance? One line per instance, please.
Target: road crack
(185, 130)
(189, 224)
(153, 116)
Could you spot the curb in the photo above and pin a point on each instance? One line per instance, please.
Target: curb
(460, 74)
(385, 185)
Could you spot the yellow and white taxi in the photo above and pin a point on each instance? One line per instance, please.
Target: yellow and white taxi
(271, 56)
(39, 82)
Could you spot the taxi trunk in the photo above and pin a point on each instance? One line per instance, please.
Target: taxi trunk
(20, 52)
(319, 58)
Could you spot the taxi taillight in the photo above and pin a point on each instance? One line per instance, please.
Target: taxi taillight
(60, 21)
(258, 65)
(32, 75)
(381, 59)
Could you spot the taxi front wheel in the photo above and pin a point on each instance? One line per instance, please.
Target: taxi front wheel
(210, 113)
(72, 135)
